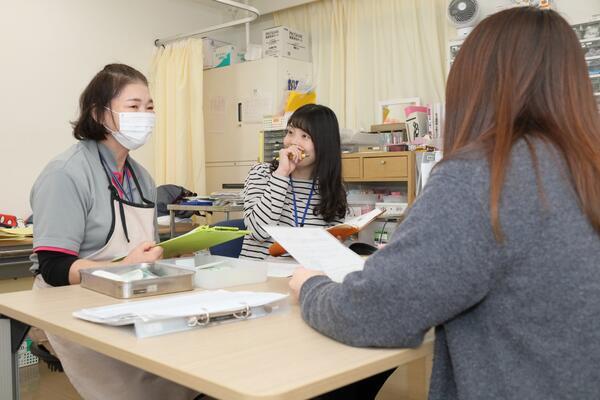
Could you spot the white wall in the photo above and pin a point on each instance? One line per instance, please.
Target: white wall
(50, 51)
(574, 11)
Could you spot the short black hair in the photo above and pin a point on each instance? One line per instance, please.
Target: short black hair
(105, 86)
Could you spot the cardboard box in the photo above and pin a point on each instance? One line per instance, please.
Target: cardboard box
(281, 41)
(216, 53)
(227, 55)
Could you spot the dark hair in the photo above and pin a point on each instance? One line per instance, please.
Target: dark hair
(321, 124)
(521, 74)
(105, 86)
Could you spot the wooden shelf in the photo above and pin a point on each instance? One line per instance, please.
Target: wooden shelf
(378, 166)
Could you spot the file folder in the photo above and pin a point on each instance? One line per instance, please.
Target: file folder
(185, 312)
(200, 238)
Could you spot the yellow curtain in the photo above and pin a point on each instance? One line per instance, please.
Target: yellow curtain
(365, 51)
(176, 85)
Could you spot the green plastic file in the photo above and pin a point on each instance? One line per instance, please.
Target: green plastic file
(200, 238)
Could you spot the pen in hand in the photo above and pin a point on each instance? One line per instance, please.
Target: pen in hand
(303, 155)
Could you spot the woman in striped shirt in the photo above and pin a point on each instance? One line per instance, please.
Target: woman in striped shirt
(303, 188)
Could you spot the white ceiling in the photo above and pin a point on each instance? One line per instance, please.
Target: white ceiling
(264, 6)
(269, 6)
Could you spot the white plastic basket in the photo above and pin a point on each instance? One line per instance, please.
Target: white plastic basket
(26, 358)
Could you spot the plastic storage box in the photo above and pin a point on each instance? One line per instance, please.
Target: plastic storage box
(217, 272)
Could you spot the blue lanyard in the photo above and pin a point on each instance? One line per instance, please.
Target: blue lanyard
(127, 172)
(310, 195)
(115, 180)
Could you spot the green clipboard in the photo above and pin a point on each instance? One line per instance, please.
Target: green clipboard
(200, 238)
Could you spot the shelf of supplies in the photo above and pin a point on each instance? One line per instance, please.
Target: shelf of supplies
(589, 40)
(592, 58)
(597, 94)
(376, 166)
(593, 76)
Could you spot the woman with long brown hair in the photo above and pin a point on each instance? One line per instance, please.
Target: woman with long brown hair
(501, 252)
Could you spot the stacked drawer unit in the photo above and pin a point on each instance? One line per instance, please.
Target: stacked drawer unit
(589, 36)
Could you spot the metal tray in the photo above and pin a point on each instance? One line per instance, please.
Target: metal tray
(170, 280)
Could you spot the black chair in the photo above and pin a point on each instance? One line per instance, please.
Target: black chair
(233, 248)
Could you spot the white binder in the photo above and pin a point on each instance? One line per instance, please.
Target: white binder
(185, 312)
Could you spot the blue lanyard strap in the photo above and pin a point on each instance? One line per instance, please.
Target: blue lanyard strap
(113, 179)
(310, 195)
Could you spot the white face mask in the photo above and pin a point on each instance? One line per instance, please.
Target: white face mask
(134, 128)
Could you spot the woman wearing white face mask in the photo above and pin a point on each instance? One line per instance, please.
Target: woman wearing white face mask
(93, 204)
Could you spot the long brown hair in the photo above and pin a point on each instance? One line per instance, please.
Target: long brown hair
(322, 126)
(521, 74)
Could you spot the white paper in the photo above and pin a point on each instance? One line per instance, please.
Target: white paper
(129, 276)
(315, 248)
(428, 162)
(216, 105)
(192, 304)
(255, 108)
(362, 220)
(281, 270)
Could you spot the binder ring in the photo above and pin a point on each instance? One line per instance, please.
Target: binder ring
(244, 313)
(202, 319)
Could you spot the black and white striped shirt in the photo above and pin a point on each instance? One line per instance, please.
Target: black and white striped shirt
(268, 200)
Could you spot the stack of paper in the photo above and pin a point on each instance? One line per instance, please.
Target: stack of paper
(341, 231)
(16, 233)
(316, 248)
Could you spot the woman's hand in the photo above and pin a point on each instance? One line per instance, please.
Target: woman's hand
(289, 158)
(300, 276)
(146, 252)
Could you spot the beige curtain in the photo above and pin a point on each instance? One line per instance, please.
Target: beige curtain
(176, 85)
(365, 51)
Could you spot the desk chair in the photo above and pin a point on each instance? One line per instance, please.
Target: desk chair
(232, 248)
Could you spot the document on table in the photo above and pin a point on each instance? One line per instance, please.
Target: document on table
(195, 303)
(281, 269)
(315, 248)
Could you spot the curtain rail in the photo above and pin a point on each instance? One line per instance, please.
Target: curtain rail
(235, 4)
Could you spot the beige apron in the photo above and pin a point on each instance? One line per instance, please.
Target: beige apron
(94, 375)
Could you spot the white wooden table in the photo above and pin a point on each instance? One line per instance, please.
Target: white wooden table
(275, 357)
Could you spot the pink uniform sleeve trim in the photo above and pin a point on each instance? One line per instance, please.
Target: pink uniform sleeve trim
(56, 249)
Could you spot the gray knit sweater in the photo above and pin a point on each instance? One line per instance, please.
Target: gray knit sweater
(513, 321)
